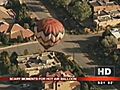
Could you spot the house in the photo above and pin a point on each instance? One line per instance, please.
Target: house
(106, 5)
(104, 23)
(105, 12)
(61, 85)
(103, 18)
(103, 15)
(3, 26)
(6, 15)
(115, 13)
(16, 30)
(34, 64)
(115, 32)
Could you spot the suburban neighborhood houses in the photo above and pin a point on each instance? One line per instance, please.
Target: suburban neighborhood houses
(58, 39)
(34, 64)
(105, 12)
(71, 85)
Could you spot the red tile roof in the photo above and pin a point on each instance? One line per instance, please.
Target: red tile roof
(4, 27)
(16, 27)
(16, 30)
(27, 33)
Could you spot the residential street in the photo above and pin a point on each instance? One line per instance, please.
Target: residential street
(37, 9)
(71, 44)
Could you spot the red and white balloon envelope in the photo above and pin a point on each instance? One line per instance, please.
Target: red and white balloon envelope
(49, 32)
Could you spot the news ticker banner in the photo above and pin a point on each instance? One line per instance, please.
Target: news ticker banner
(87, 79)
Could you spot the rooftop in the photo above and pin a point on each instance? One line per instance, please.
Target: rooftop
(61, 74)
(115, 32)
(115, 12)
(102, 3)
(38, 62)
(95, 3)
(71, 85)
(16, 30)
(4, 26)
(101, 13)
(6, 13)
(111, 3)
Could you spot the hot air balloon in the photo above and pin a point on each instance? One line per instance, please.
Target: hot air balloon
(49, 32)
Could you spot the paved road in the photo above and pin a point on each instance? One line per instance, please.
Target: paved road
(68, 47)
(70, 44)
(37, 9)
(76, 45)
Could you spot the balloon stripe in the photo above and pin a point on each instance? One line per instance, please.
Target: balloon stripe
(47, 40)
(50, 36)
(49, 32)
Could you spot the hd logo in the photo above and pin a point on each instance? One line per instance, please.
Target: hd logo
(105, 71)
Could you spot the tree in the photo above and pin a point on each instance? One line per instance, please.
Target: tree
(1, 36)
(105, 43)
(114, 57)
(5, 39)
(14, 70)
(20, 10)
(15, 6)
(33, 24)
(63, 3)
(23, 14)
(5, 62)
(5, 58)
(109, 41)
(3, 69)
(13, 58)
(26, 52)
(84, 86)
(106, 33)
(19, 39)
(22, 73)
(26, 26)
(81, 10)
